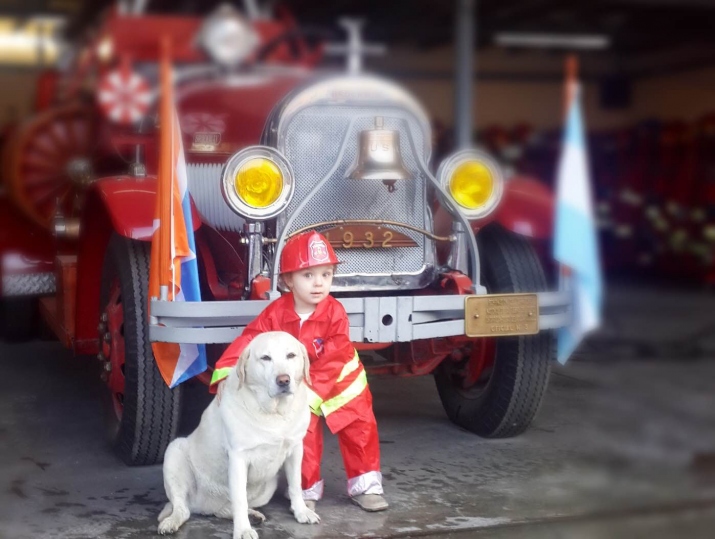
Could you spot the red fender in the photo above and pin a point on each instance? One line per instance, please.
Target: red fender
(131, 204)
(124, 205)
(526, 208)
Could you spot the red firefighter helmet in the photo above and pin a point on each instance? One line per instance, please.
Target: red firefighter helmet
(306, 250)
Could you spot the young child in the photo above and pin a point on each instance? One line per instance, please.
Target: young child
(339, 387)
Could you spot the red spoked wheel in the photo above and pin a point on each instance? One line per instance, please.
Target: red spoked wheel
(111, 336)
(142, 412)
(50, 161)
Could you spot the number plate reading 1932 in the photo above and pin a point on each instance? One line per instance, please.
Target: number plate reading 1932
(366, 237)
(501, 314)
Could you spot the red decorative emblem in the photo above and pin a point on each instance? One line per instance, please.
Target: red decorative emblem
(319, 251)
(203, 122)
(124, 96)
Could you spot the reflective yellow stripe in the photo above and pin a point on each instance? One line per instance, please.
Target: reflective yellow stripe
(349, 367)
(314, 401)
(220, 374)
(352, 391)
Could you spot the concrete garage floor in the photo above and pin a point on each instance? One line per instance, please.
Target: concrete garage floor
(624, 446)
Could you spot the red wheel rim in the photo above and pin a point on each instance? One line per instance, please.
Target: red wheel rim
(471, 376)
(45, 146)
(113, 347)
(480, 362)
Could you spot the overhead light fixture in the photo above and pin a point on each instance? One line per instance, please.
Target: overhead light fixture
(227, 37)
(29, 41)
(553, 41)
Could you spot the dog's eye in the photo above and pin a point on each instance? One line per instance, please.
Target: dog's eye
(290, 355)
(265, 358)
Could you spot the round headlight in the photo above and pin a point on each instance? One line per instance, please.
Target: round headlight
(227, 37)
(474, 180)
(257, 182)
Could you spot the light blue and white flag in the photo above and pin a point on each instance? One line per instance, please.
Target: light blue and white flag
(575, 241)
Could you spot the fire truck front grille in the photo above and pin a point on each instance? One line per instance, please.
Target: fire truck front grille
(322, 141)
(205, 187)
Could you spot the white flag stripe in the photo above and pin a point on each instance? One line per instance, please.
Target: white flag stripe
(576, 194)
(192, 358)
(188, 353)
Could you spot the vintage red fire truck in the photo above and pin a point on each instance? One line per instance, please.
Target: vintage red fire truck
(440, 272)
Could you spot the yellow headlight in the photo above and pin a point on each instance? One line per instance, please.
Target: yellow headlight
(472, 185)
(259, 182)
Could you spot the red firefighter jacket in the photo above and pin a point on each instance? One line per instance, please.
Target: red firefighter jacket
(336, 374)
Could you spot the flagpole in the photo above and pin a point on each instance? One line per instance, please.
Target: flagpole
(165, 168)
(172, 210)
(571, 81)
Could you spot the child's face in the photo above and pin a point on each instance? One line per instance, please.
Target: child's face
(309, 286)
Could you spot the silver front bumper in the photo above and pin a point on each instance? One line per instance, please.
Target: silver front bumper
(372, 319)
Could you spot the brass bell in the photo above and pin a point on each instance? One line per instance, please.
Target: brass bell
(379, 157)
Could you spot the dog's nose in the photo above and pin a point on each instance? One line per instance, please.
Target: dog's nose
(283, 380)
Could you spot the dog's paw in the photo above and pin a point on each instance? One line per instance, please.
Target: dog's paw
(256, 518)
(174, 521)
(248, 533)
(306, 516)
(167, 526)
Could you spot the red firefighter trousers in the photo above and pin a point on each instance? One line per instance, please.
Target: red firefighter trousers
(358, 440)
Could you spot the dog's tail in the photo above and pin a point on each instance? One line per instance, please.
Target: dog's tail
(168, 509)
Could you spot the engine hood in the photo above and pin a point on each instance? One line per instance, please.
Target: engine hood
(220, 116)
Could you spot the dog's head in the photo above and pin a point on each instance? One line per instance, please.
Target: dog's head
(275, 362)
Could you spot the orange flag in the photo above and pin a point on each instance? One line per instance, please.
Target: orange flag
(173, 271)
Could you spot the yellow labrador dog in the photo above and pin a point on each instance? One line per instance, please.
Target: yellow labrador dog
(230, 463)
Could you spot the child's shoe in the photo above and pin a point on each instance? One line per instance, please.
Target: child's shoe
(370, 502)
(310, 504)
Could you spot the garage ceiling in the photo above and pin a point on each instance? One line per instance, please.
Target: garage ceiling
(634, 26)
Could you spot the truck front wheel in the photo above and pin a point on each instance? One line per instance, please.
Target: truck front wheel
(142, 412)
(502, 398)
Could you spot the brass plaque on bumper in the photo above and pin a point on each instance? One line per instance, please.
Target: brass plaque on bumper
(501, 314)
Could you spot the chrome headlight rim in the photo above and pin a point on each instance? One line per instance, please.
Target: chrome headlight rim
(231, 196)
(450, 164)
(227, 19)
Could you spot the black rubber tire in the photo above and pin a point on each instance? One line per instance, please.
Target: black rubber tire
(18, 319)
(510, 399)
(151, 411)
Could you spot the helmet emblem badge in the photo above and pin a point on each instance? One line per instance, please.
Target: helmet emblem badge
(319, 251)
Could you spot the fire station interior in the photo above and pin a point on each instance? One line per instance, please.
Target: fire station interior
(624, 442)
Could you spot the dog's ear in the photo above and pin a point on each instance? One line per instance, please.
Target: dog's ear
(241, 366)
(306, 364)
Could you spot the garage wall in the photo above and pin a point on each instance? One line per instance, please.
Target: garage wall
(17, 93)
(527, 87)
(508, 103)
(512, 86)
(685, 96)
